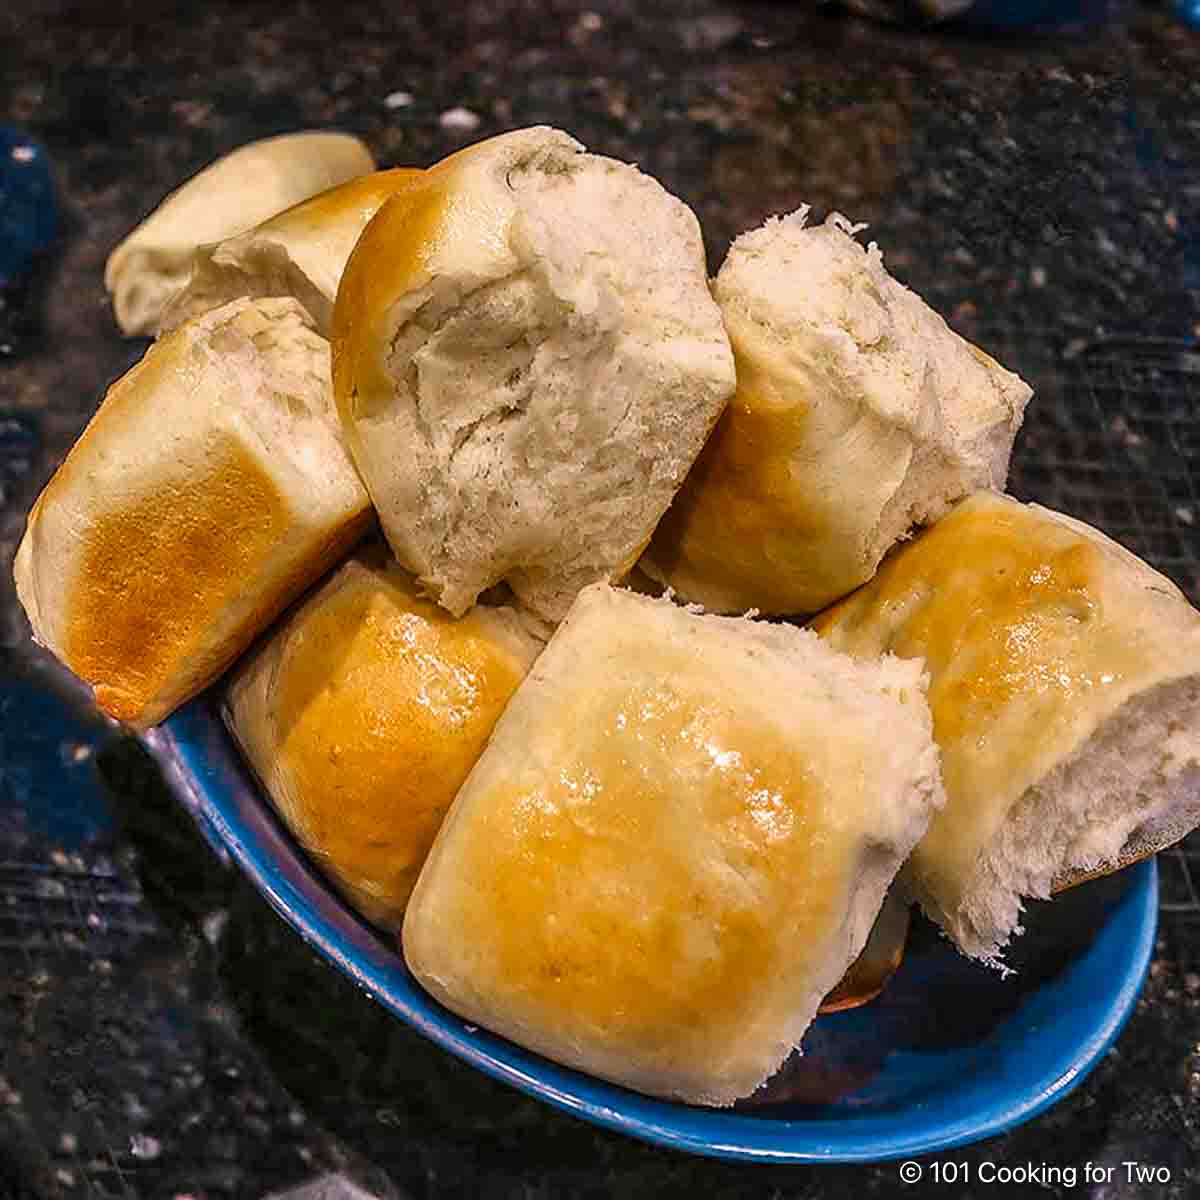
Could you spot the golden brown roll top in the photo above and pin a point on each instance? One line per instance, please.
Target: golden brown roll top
(858, 414)
(1065, 690)
(207, 492)
(363, 713)
(674, 844)
(236, 192)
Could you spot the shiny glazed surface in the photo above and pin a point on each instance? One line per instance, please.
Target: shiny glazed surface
(674, 845)
(364, 714)
(645, 889)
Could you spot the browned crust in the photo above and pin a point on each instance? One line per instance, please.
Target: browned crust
(1138, 848)
(155, 574)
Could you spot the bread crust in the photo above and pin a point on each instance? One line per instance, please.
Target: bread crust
(232, 194)
(675, 843)
(300, 252)
(363, 712)
(207, 492)
(1040, 634)
(858, 414)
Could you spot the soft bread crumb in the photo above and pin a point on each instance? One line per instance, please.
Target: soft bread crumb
(1137, 779)
(551, 375)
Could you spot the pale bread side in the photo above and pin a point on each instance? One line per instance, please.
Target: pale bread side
(301, 252)
(234, 193)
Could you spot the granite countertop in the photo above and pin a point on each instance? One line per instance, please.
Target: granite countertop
(161, 1032)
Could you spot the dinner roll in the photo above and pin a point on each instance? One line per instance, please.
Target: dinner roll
(674, 844)
(301, 252)
(362, 714)
(858, 415)
(236, 192)
(208, 491)
(1065, 688)
(527, 359)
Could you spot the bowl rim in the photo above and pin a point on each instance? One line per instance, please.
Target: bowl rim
(204, 770)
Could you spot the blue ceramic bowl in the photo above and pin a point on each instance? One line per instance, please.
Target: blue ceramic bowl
(950, 1053)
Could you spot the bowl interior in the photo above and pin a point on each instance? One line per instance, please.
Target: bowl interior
(950, 1053)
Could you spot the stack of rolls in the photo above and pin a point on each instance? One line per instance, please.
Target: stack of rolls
(644, 839)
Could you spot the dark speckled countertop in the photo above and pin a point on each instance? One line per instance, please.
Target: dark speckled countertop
(161, 1033)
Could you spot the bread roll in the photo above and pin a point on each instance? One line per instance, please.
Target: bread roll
(1065, 688)
(207, 492)
(527, 359)
(674, 844)
(858, 415)
(234, 193)
(362, 714)
(301, 252)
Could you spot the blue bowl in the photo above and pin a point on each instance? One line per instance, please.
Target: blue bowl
(950, 1053)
